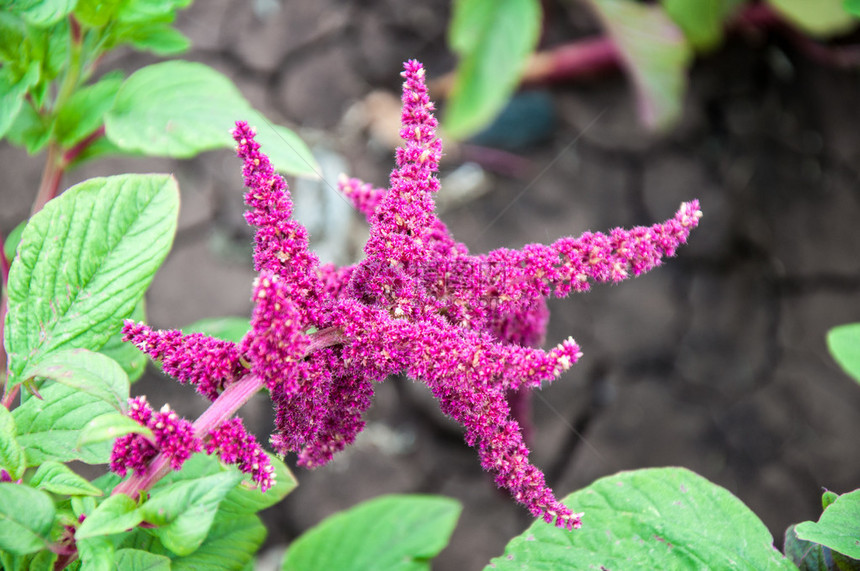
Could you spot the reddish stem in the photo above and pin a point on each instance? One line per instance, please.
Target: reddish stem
(51, 176)
(584, 59)
(81, 146)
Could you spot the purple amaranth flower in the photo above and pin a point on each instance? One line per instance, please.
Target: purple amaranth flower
(418, 303)
(235, 446)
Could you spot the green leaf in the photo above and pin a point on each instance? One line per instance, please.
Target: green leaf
(390, 532)
(844, 345)
(137, 560)
(39, 561)
(288, 153)
(96, 13)
(852, 7)
(12, 458)
(114, 515)
(26, 516)
(30, 129)
(13, 89)
(243, 499)
(184, 511)
(12, 241)
(654, 52)
(702, 21)
(159, 38)
(230, 545)
(44, 13)
(493, 40)
(60, 479)
(96, 553)
(83, 263)
(179, 109)
(109, 427)
(84, 112)
(147, 10)
(838, 527)
(227, 328)
(130, 358)
(48, 428)
(659, 518)
(822, 18)
(90, 373)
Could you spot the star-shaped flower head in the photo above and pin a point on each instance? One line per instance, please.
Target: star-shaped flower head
(418, 303)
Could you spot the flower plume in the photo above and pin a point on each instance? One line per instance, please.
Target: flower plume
(418, 303)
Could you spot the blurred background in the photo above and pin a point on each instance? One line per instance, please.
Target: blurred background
(716, 361)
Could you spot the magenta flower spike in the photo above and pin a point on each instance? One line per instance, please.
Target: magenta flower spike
(418, 303)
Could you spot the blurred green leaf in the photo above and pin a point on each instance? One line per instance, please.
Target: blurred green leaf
(84, 112)
(179, 109)
(119, 230)
(40, 13)
(852, 7)
(30, 129)
(655, 53)
(245, 500)
(837, 528)
(391, 532)
(493, 40)
(26, 516)
(137, 560)
(158, 38)
(12, 458)
(230, 545)
(659, 518)
(702, 21)
(58, 478)
(821, 18)
(13, 89)
(12, 241)
(844, 345)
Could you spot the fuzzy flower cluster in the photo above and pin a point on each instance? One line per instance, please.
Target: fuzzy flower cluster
(418, 303)
(175, 437)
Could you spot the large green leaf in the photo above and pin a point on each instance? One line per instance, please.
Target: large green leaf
(180, 108)
(838, 527)
(12, 458)
(493, 40)
(660, 518)
(702, 21)
(821, 18)
(49, 427)
(400, 532)
(26, 516)
(844, 345)
(83, 263)
(183, 512)
(654, 52)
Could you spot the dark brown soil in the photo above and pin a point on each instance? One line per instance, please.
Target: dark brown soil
(716, 361)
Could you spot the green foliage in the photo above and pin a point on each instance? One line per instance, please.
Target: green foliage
(493, 41)
(837, 527)
(227, 328)
(661, 518)
(390, 532)
(654, 52)
(822, 18)
(844, 345)
(26, 517)
(702, 21)
(84, 262)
